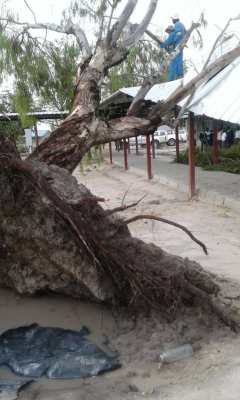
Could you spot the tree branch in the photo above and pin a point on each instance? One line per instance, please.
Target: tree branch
(218, 39)
(148, 84)
(80, 37)
(161, 107)
(31, 11)
(134, 38)
(123, 19)
(166, 221)
(69, 29)
(189, 100)
(122, 128)
(125, 206)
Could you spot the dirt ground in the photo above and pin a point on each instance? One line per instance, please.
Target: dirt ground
(212, 373)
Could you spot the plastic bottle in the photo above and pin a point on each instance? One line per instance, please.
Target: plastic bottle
(176, 354)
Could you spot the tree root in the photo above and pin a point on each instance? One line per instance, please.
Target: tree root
(167, 221)
(141, 276)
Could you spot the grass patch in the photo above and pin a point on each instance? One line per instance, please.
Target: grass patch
(229, 159)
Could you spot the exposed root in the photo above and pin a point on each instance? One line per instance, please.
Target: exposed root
(141, 276)
(167, 221)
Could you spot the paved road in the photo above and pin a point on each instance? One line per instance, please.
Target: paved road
(219, 187)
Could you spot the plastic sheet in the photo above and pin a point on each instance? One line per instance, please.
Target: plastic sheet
(9, 390)
(34, 351)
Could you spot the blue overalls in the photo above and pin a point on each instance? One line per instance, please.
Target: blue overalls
(175, 68)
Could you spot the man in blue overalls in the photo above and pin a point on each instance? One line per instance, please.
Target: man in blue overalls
(175, 68)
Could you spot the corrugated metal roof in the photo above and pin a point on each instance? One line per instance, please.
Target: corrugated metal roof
(158, 92)
(219, 98)
(38, 114)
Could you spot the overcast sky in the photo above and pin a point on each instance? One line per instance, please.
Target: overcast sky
(216, 13)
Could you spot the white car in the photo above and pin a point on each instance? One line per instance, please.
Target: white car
(168, 136)
(161, 136)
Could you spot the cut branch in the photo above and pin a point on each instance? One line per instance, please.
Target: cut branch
(167, 221)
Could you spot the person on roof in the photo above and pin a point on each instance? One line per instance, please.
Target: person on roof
(175, 36)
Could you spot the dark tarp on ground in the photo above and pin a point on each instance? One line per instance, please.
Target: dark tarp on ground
(9, 390)
(35, 351)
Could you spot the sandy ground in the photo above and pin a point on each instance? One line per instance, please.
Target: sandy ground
(212, 373)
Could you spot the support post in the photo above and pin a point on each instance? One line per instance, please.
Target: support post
(125, 152)
(149, 158)
(177, 143)
(177, 135)
(215, 150)
(36, 135)
(110, 153)
(153, 147)
(129, 147)
(136, 141)
(191, 156)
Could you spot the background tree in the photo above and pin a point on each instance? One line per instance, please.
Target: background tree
(53, 233)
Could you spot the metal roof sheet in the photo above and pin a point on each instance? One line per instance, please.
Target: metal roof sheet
(219, 98)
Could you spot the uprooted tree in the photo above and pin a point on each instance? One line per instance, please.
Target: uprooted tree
(54, 234)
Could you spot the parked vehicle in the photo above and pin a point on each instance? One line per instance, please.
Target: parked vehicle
(168, 136)
(163, 135)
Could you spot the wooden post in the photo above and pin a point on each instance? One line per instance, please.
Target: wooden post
(125, 152)
(36, 135)
(191, 156)
(110, 153)
(215, 150)
(177, 143)
(153, 147)
(149, 159)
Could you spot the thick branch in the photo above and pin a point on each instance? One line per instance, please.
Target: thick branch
(120, 128)
(220, 36)
(80, 37)
(153, 37)
(70, 29)
(134, 38)
(148, 84)
(123, 19)
(183, 91)
(166, 221)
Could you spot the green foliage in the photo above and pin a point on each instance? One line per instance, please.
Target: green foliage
(142, 62)
(232, 152)
(12, 129)
(229, 159)
(45, 73)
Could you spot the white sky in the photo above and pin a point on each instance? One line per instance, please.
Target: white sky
(216, 12)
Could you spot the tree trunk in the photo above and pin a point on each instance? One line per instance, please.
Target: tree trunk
(55, 236)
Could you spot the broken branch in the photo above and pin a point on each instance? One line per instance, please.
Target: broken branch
(167, 221)
(125, 206)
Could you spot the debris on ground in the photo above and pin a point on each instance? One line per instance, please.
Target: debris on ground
(35, 351)
(9, 389)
